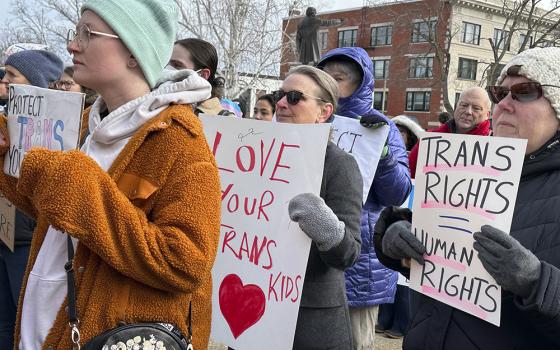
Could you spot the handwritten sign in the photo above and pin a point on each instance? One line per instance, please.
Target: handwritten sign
(40, 117)
(7, 222)
(262, 255)
(462, 183)
(365, 144)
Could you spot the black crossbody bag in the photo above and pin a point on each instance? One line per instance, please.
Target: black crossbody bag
(137, 336)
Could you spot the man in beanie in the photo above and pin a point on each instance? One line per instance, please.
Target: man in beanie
(38, 68)
(525, 261)
(33, 67)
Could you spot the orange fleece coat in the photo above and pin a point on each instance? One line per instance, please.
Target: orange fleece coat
(148, 229)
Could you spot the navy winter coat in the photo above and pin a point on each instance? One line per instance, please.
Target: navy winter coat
(531, 323)
(368, 282)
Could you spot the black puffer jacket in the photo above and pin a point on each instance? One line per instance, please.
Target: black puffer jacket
(533, 323)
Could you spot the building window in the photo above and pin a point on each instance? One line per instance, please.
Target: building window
(457, 96)
(421, 67)
(467, 69)
(418, 101)
(423, 31)
(381, 35)
(323, 40)
(522, 39)
(500, 39)
(347, 38)
(471, 33)
(380, 69)
(380, 100)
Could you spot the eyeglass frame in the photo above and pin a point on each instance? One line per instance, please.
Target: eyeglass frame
(66, 83)
(515, 96)
(74, 34)
(285, 94)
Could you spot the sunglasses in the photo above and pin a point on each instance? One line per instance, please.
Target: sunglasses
(522, 92)
(293, 97)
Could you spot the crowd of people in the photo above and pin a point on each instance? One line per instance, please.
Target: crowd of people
(145, 229)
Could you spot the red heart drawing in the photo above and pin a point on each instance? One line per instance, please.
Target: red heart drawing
(242, 306)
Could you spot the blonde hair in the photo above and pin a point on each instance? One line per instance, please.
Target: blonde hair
(328, 88)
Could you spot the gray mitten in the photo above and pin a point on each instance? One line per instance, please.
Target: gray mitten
(317, 220)
(512, 265)
(400, 243)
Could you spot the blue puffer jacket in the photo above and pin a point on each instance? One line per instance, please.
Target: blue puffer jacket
(368, 282)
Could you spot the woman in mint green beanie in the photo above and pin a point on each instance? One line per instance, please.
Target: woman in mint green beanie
(140, 199)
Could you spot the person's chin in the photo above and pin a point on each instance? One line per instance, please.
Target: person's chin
(283, 119)
(506, 130)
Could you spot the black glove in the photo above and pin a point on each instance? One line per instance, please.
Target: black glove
(372, 121)
(389, 216)
(399, 243)
(513, 266)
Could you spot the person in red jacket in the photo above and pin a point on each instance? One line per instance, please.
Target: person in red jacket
(471, 117)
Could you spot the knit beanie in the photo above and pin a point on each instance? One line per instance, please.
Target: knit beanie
(38, 66)
(146, 27)
(541, 65)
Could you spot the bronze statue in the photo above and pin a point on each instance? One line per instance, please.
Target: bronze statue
(307, 40)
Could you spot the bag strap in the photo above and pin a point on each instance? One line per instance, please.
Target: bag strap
(72, 309)
(189, 327)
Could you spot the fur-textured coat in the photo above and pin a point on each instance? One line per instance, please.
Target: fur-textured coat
(148, 228)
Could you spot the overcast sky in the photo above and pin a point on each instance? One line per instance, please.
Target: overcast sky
(329, 6)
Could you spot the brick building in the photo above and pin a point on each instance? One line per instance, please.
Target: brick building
(403, 39)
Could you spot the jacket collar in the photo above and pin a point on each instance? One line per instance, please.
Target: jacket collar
(546, 158)
(481, 129)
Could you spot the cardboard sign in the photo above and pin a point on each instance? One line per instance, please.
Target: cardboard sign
(262, 255)
(40, 117)
(7, 222)
(365, 144)
(462, 183)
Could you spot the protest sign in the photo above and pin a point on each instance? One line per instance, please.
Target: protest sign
(262, 255)
(365, 144)
(462, 183)
(7, 222)
(40, 117)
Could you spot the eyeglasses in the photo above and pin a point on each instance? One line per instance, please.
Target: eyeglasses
(293, 97)
(83, 35)
(62, 84)
(522, 92)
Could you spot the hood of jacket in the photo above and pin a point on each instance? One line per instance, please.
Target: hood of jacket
(360, 103)
(173, 87)
(408, 123)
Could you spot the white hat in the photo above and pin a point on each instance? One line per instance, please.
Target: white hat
(408, 123)
(541, 65)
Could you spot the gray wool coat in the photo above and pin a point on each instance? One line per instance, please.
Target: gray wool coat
(323, 319)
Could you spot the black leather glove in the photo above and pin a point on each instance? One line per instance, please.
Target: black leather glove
(513, 266)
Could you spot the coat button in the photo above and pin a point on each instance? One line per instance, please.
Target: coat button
(163, 124)
(81, 269)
